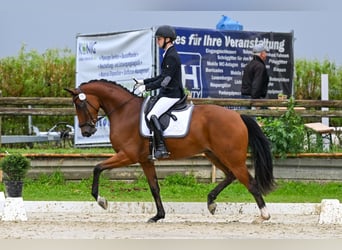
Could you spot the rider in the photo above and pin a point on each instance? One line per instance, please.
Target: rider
(169, 82)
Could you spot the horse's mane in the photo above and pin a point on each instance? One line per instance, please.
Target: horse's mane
(106, 81)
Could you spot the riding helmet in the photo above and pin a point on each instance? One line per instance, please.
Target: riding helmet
(166, 31)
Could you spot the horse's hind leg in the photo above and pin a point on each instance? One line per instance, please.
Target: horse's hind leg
(242, 174)
(222, 185)
(215, 192)
(249, 182)
(254, 190)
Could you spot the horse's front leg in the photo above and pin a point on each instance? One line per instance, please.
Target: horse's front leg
(95, 187)
(150, 173)
(116, 161)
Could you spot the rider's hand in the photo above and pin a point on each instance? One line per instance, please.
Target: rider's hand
(140, 89)
(139, 82)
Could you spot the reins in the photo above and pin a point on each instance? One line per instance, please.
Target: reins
(114, 109)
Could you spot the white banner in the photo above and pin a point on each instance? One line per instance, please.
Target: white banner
(118, 57)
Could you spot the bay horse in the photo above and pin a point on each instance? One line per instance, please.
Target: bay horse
(222, 135)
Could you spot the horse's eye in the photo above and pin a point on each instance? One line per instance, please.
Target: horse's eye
(82, 97)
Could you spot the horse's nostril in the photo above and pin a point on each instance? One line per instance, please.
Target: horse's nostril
(86, 134)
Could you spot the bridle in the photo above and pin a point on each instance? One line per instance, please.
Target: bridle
(83, 106)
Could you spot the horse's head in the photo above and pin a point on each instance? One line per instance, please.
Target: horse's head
(87, 108)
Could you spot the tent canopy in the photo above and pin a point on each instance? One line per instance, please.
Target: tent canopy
(226, 23)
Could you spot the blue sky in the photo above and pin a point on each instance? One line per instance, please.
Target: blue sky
(42, 25)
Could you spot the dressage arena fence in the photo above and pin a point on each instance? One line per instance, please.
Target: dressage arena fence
(314, 109)
(79, 166)
(51, 106)
(305, 167)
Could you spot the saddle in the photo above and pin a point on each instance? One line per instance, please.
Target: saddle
(175, 122)
(165, 118)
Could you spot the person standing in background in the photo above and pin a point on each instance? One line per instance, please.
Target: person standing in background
(255, 77)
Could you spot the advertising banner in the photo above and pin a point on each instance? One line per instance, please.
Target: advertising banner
(117, 57)
(213, 60)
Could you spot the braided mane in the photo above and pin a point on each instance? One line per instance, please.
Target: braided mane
(106, 81)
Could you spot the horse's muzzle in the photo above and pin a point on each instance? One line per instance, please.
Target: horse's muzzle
(88, 131)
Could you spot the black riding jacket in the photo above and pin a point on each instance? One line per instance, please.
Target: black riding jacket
(170, 79)
(255, 79)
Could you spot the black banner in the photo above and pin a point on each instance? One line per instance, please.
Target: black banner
(213, 60)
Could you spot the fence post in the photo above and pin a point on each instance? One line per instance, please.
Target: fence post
(325, 95)
(213, 173)
(0, 123)
(29, 121)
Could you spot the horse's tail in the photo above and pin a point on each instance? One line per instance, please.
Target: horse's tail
(261, 155)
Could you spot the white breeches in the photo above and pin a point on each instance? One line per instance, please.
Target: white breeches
(161, 106)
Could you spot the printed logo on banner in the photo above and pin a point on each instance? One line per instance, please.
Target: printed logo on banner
(86, 48)
(191, 73)
(86, 51)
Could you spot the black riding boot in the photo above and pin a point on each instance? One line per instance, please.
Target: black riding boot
(161, 151)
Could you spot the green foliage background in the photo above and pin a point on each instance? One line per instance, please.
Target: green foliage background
(31, 74)
(286, 133)
(307, 79)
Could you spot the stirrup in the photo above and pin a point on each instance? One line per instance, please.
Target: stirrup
(161, 154)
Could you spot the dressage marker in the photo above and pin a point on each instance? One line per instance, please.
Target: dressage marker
(331, 212)
(14, 210)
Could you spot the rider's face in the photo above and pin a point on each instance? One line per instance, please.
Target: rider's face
(160, 41)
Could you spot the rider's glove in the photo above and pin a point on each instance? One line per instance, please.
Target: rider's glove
(140, 89)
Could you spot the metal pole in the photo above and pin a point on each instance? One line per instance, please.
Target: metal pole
(29, 122)
(325, 95)
(0, 123)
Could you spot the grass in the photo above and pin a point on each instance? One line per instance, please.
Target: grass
(175, 187)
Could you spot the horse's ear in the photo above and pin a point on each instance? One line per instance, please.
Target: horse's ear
(72, 92)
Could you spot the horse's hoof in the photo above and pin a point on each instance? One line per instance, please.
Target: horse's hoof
(259, 220)
(102, 202)
(263, 217)
(212, 208)
(265, 214)
(266, 217)
(152, 220)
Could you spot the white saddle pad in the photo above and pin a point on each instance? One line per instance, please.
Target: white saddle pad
(176, 129)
